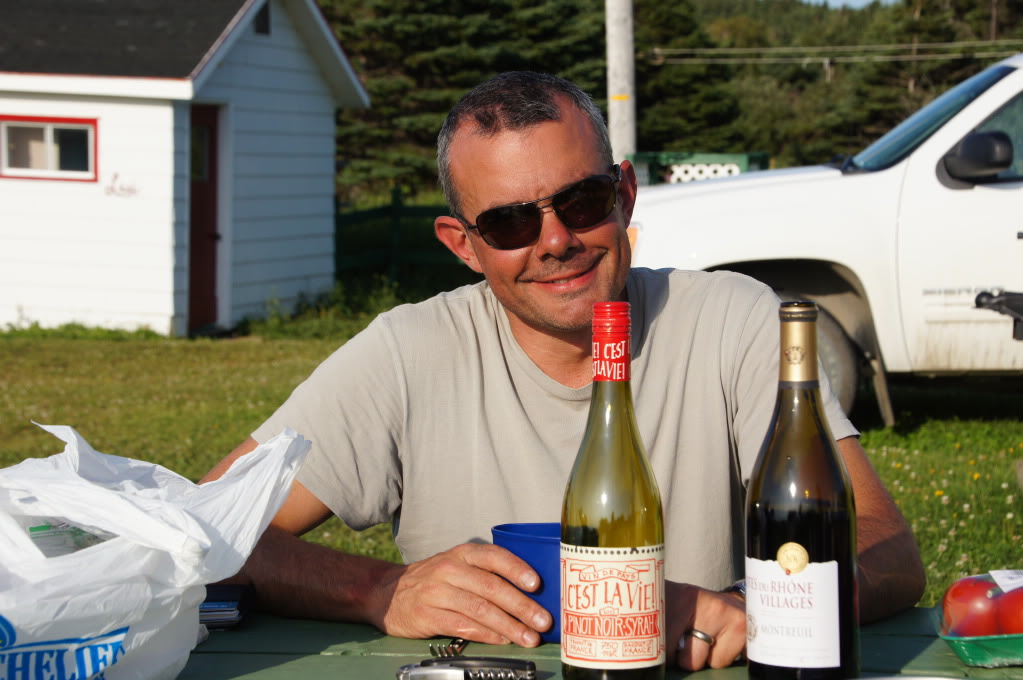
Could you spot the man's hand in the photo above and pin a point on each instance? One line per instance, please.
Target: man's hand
(469, 591)
(464, 592)
(720, 615)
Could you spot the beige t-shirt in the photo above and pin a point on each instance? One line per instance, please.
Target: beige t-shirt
(435, 418)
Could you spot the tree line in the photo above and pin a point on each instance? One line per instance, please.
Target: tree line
(802, 82)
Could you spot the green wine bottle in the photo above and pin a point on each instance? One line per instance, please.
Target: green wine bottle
(612, 528)
(801, 600)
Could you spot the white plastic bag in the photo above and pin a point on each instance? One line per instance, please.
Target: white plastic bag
(127, 607)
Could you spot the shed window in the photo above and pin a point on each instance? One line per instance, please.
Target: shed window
(262, 22)
(48, 148)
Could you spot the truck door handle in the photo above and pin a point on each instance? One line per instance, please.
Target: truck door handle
(1010, 304)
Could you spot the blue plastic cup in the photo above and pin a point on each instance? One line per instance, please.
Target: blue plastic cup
(538, 544)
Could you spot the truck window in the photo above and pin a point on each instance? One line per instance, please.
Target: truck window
(1009, 119)
(905, 137)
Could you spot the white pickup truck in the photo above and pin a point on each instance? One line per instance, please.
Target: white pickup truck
(913, 248)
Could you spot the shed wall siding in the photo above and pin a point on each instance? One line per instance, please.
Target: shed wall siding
(181, 163)
(281, 159)
(99, 253)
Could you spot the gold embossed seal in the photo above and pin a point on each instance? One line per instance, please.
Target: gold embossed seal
(798, 341)
(795, 354)
(793, 558)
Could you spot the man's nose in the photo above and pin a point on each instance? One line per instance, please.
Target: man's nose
(556, 239)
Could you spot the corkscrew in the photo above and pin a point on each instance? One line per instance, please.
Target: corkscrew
(469, 668)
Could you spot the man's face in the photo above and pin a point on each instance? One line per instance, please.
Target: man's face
(550, 285)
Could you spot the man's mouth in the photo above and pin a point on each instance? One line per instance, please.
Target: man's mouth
(569, 283)
(564, 280)
(561, 278)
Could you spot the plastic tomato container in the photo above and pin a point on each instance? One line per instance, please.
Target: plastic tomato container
(989, 651)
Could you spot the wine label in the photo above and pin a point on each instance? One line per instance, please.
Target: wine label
(612, 606)
(611, 357)
(792, 610)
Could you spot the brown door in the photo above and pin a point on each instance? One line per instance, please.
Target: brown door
(202, 262)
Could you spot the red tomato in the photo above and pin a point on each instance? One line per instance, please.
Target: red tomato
(1009, 607)
(969, 607)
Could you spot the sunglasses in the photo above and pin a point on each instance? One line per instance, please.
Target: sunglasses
(580, 206)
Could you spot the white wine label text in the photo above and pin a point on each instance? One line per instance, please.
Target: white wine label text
(612, 606)
(611, 359)
(792, 617)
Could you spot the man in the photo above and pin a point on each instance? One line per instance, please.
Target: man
(466, 410)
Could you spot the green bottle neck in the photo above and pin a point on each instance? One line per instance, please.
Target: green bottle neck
(611, 406)
(611, 390)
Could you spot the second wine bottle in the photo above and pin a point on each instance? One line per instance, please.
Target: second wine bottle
(801, 607)
(612, 529)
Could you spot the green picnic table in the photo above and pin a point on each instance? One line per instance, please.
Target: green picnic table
(265, 647)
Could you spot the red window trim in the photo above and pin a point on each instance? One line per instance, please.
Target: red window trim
(91, 122)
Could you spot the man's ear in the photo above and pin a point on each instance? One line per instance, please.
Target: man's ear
(627, 189)
(454, 236)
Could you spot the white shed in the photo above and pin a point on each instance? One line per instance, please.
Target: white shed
(167, 164)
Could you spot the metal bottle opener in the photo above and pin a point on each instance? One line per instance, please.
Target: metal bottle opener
(469, 668)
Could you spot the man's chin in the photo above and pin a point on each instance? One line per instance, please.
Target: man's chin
(567, 313)
(573, 317)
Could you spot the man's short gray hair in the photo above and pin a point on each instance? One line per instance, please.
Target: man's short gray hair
(514, 100)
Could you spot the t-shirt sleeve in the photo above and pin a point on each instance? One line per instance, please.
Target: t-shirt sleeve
(841, 426)
(756, 379)
(352, 410)
(757, 383)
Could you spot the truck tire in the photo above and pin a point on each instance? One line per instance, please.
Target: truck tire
(838, 357)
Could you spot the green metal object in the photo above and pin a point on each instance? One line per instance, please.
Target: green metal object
(657, 167)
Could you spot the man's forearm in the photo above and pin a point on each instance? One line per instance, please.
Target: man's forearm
(293, 577)
(891, 576)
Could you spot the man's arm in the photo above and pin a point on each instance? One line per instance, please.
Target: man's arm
(891, 573)
(463, 592)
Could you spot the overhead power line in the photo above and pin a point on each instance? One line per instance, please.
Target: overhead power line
(834, 54)
(836, 60)
(832, 48)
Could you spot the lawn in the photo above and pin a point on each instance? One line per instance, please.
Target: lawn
(949, 462)
(181, 403)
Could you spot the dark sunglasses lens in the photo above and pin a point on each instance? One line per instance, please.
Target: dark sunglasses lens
(580, 206)
(509, 227)
(586, 203)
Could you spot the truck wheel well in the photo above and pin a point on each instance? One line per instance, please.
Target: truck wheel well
(838, 290)
(832, 286)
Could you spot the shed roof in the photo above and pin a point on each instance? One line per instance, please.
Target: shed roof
(139, 38)
(102, 47)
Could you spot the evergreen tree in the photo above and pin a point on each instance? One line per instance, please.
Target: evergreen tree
(679, 107)
(892, 90)
(417, 57)
(414, 58)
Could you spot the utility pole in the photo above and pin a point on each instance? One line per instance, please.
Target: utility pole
(621, 90)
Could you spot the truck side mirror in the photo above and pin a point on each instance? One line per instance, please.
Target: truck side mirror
(979, 155)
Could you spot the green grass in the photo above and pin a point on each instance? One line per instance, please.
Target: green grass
(185, 404)
(950, 463)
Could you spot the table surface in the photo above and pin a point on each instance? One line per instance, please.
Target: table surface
(265, 647)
